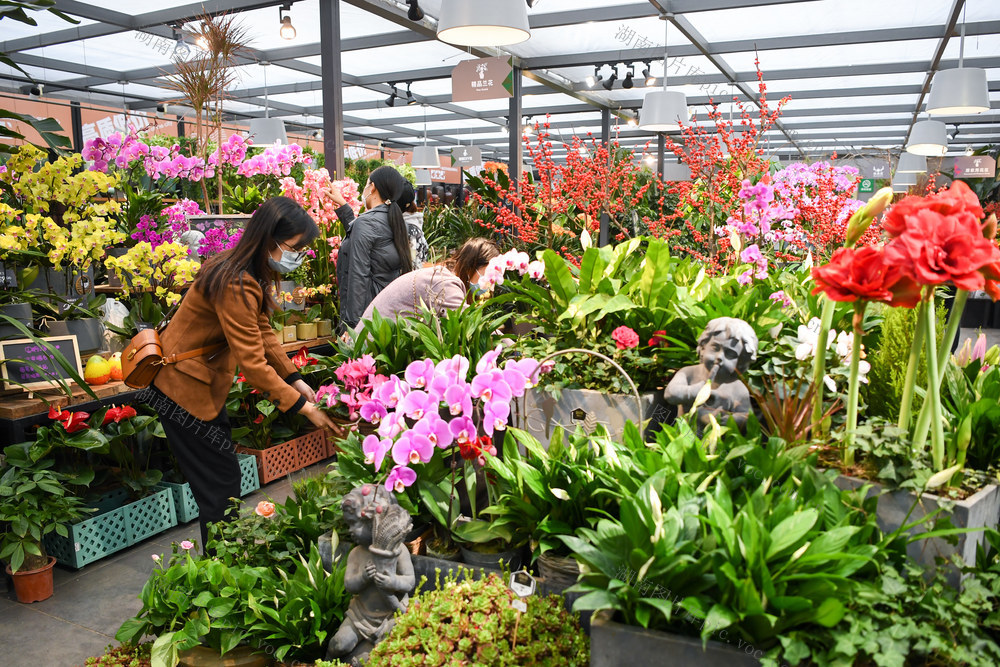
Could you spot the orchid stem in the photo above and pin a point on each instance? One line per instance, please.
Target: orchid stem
(852, 390)
(943, 352)
(819, 365)
(906, 404)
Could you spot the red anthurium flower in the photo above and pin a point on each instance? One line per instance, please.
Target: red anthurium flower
(76, 421)
(56, 413)
(240, 379)
(302, 358)
(112, 415)
(659, 339)
(862, 275)
(259, 419)
(127, 412)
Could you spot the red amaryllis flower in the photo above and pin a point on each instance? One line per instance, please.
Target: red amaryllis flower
(302, 358)
(76, 421)
(862, 275)
(659, 339)
(957, 199)
(937, 248)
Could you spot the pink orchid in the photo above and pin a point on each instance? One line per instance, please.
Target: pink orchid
(464, 430)
(373, 412)
(416, 404)
(526, 367)
(459, 399)
(457, 367)
(536, 269)
(399, 478)
(489, 360)
(436, 430)
(392, 425)
(491, 386)
(412, 447)
(419, 373)
(375, 450)
(391, 392)
(495, 416)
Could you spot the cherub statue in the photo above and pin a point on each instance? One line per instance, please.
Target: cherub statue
(726, 347)
(379, 571)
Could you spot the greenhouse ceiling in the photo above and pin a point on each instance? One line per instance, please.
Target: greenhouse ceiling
(858, 73)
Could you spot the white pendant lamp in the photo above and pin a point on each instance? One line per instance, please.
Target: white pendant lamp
(676, 172)
(910, 163)
(483, 22)
(903, 182)
(425, 157)
(928, 138)
(663, 110)
(423, 177)
(959, 91)
(267, 131)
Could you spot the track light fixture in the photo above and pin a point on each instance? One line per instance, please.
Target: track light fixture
(414, 13)
(610, 82)
(410, 99)
(954, 133)
(647, 72)
(287, 30)
(391, 102)
(595, 78)
(627, 83)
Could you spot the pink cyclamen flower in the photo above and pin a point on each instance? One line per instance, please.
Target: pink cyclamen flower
(399, 478)
(412, 447)
(375, 450)
(373, 412)
(625, 338)
(491, 386)
(417, 403)
(187, 545)
(419, 373)
(328, 393)
(464, 430)
(436, 430)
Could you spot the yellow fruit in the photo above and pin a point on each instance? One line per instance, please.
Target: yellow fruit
(116, 366)
(97, 370)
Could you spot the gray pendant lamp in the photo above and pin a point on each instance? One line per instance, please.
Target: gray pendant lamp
(928, 138)
(425, 157)
(676, 172)
(903, 182)
(663, 110)
(423, 177)
(267, 131)
(910, 163)
(959, 91)
(483, 22)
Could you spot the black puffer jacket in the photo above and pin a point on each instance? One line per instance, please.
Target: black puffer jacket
(368, 260)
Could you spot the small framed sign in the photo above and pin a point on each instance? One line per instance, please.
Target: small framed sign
(28, 365)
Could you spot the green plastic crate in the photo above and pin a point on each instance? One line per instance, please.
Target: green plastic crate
(187, 507)
(113, 528)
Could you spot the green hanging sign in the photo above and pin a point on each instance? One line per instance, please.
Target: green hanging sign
(866, 185)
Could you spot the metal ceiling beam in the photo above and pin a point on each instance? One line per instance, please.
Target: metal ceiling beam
(956, 12)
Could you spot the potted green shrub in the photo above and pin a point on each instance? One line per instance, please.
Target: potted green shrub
(34, 502)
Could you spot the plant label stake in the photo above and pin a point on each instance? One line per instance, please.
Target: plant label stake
(523, 585)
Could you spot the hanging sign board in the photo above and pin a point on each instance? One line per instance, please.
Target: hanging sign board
(482, 79)
(866, 185)
(28, 365)
(975, 166)
(466, 157)
(875, 169)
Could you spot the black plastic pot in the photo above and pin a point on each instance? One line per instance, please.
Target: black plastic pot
(510, 559)
(18, 311)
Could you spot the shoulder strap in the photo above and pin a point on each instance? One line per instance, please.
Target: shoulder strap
(191, 354)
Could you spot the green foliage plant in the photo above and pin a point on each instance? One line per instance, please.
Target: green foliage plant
(472, 622)
(123, 655)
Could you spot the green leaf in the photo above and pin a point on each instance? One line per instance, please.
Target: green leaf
(791, 531)
(219, 607)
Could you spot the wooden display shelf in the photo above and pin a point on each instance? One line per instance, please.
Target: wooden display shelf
(308, 344)
(20, 405)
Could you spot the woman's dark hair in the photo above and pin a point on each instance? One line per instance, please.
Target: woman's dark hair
(471, 256)
(278, 219)
(408, 201)
(392, 188)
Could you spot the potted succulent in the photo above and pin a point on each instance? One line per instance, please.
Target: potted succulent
(35, 502)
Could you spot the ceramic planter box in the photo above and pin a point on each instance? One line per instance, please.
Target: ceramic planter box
(611, 642)
(187, 507)
(977, 511)
(116, 525)
(541, 413)
(279, 460)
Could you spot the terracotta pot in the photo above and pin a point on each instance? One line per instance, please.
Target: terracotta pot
(33, 585)
(418, 545)
(305, 330)
(241, 656)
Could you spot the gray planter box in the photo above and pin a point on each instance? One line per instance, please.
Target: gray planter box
(541, 413)
(614, 644)
(67, 283)
(981, 510)
(89, 333)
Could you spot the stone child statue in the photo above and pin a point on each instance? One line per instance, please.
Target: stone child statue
(379, 571)
(726, 347)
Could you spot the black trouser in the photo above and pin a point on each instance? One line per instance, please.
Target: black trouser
(206, 455)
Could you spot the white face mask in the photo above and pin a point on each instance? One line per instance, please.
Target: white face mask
(289, 260)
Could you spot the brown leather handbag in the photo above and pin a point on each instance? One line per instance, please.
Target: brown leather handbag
(143, 357)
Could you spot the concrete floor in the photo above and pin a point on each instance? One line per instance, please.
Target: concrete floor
(90, 604)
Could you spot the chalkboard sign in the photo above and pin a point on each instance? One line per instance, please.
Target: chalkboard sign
(18, 355)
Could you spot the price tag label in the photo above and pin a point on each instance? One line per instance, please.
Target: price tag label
(520, 605)
(522, 583)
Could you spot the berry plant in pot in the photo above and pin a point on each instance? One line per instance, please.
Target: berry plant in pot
(34, 502)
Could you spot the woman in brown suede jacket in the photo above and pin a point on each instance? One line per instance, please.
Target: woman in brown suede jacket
(227, 311)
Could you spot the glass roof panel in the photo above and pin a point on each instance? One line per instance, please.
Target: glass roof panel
(47, 22)
(834, 56)
(600, 36)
